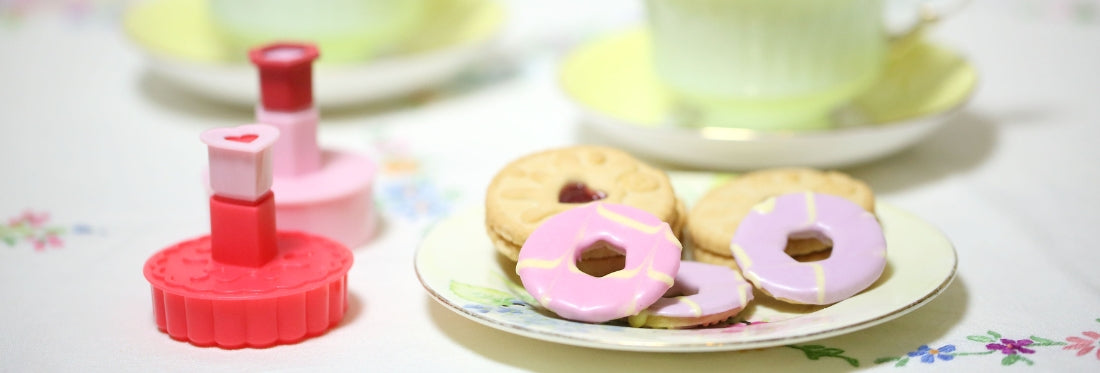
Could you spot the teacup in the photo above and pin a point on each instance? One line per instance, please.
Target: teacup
(766, 64)
(346, 31)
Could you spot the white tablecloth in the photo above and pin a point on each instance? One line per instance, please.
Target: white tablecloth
(100, 163)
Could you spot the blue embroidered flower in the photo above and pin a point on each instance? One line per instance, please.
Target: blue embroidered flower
(929, 355)
(415, 199)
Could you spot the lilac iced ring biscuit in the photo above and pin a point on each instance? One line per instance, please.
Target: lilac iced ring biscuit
(857, 260)
(714, 293)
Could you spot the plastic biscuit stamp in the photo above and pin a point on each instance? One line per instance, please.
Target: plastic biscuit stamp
(320, 191)
(246, 284)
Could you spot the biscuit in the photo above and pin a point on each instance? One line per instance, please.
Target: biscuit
(526, 192)
(714, 219)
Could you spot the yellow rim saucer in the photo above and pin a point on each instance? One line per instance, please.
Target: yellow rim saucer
(612, 81)
(182, 46)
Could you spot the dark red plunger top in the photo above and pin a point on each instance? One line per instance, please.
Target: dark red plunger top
(286, 75)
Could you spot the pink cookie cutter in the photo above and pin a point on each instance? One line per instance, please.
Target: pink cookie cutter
(245, 284)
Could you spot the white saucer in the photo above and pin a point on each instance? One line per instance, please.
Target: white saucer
(460, 269)
(181, 45)
(611, 81)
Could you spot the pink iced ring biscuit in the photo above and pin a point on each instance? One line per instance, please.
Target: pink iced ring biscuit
(716, 293)
(857, 259)
(547, 262)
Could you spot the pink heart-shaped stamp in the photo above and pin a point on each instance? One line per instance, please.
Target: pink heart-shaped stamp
(240, 160)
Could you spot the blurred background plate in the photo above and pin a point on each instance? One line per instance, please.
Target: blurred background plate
(612, 81)
(182, 46)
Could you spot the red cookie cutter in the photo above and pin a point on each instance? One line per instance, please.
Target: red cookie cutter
(245, 284)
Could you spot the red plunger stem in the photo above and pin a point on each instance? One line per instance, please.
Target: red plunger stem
(286, 75)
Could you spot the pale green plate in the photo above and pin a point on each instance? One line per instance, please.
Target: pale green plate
(612, 81)
(460, 269)
(182, 46)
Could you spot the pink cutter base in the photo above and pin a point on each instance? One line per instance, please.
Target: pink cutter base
(336, 201)
(299, 294)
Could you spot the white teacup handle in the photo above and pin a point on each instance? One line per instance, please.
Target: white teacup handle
(906, 20)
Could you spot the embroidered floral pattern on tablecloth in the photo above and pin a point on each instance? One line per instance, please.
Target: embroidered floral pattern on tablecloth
(13, 12)
(1011, 351)
(515, 303)
(405, 188)
(34, 228)
(1084, 345)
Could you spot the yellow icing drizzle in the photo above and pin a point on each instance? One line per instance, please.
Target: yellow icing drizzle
(659, 276)
(752, 276)
(765, 207)
(819, 277)
(624, 273)
(631, 308)
(743, 259)
(695, 309)
(743, 291)
(631, 223)
(672, 238)
(811, 209)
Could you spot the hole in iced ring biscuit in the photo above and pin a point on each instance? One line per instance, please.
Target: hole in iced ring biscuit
(808, 246)
(578, 192)
(601, 259)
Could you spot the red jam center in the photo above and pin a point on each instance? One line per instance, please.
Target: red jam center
(577, 192)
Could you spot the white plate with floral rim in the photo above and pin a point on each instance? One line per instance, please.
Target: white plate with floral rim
(459, 268)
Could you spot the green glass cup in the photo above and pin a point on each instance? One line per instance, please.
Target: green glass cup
(346, 31)
(766, 64)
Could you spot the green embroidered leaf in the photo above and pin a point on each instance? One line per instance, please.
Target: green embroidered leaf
(815, 352)
(481, 295)
(994, 334)
(1045, 342)
(901, 362)
(973, 353)
(980, 338)
(1010, 359)
(886, 359)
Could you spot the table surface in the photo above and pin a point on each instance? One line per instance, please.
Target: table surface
(101, 161)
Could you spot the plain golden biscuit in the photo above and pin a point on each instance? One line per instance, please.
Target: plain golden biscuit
(715, 217)
(526, 192)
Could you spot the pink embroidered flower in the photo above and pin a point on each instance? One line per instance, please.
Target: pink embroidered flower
(29, 218)
(1010, 347)
(1084, 345)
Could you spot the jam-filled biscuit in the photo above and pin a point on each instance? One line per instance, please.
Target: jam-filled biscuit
(715, 217)
(537, 186)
